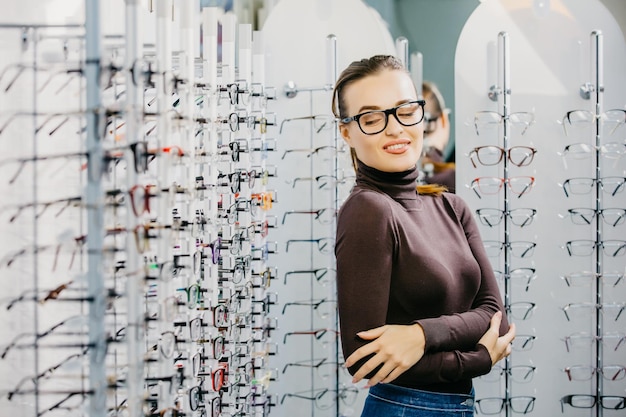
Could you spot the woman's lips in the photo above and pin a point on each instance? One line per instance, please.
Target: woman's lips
(397, 147)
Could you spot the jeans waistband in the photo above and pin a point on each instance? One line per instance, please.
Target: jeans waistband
(427, 399)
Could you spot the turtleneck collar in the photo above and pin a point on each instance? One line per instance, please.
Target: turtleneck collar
(398, 185)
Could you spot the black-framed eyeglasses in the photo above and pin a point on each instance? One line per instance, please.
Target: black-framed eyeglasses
(523, 342)
(522, 276)
(520, 249)
(322, 275)
(375, 121)
(609, 402)
(521, 310)
(323, 307)
(518, 373)
(325, 368)
(585, 216)
(519, 217)
(584, 185)
(578, 118)
(610, 150)
(324, 244)
(494, 405)
(585, 247)
(430, 123)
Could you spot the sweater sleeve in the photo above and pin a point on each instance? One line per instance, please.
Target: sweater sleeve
(364, 255)
(447, 367)
(458, 331)
(364, 248)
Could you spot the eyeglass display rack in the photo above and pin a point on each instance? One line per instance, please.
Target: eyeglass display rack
(599, 400)
(317, 177)
(504, 48)
(124, 171)
(502, 94)
(588, 321)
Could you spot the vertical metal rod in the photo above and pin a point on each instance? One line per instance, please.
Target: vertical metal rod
(597, 79)
(210, 17)
(245, 53)
(402, 50)
(187, 70)
(134, 110)
(164, 87)
(95, 213)
(35, 223)
(504, 61)
(416, 67)
(331, 49)
(229, 33)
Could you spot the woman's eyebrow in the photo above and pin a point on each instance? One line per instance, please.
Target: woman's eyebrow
(370, 107)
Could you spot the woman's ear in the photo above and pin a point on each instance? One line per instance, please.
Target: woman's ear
(444, 118)
(345, 133)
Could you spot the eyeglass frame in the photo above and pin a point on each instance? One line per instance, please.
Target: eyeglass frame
(568, 399)
(503, 401)
(356, 118)
(525, 162)
(475, 184)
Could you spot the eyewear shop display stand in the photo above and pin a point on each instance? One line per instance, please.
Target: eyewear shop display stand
(134, 218)
(545, 150)
(142, 240)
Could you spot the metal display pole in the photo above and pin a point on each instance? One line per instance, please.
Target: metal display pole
(164, 92)
(402, 50)
(95, 214)
(597, 72)
(331, 45)
(503, 47)
(134, 293)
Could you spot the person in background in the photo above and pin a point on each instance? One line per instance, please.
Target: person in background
(420, 311)
(436, 137)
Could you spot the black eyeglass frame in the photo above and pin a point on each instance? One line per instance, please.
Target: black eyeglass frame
(356, 118)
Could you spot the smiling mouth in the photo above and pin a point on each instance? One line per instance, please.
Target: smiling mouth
(396, 146)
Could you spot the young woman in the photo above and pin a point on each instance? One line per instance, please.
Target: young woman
(436, 137)
(419, 306)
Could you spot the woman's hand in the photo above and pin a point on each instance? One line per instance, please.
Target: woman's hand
(499, 347)
(395, 347)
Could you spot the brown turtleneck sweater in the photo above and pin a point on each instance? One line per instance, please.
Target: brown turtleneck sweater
(404, 258)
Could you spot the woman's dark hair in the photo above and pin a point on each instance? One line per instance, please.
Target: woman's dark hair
(356, 71)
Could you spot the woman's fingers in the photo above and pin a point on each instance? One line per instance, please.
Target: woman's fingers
(506, 340)
(367, 368)
(381, 375)
(372, 333)
(359, 354)
(393, 349)
(496, 319)
(367, 349)
(499, 347)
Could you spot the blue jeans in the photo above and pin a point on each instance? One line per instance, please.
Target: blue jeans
(393, 401)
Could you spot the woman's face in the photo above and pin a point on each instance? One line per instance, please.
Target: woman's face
(397, 148)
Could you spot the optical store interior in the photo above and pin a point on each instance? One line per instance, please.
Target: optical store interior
(172, 172)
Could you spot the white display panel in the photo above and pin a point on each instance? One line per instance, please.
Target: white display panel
(550, 57)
